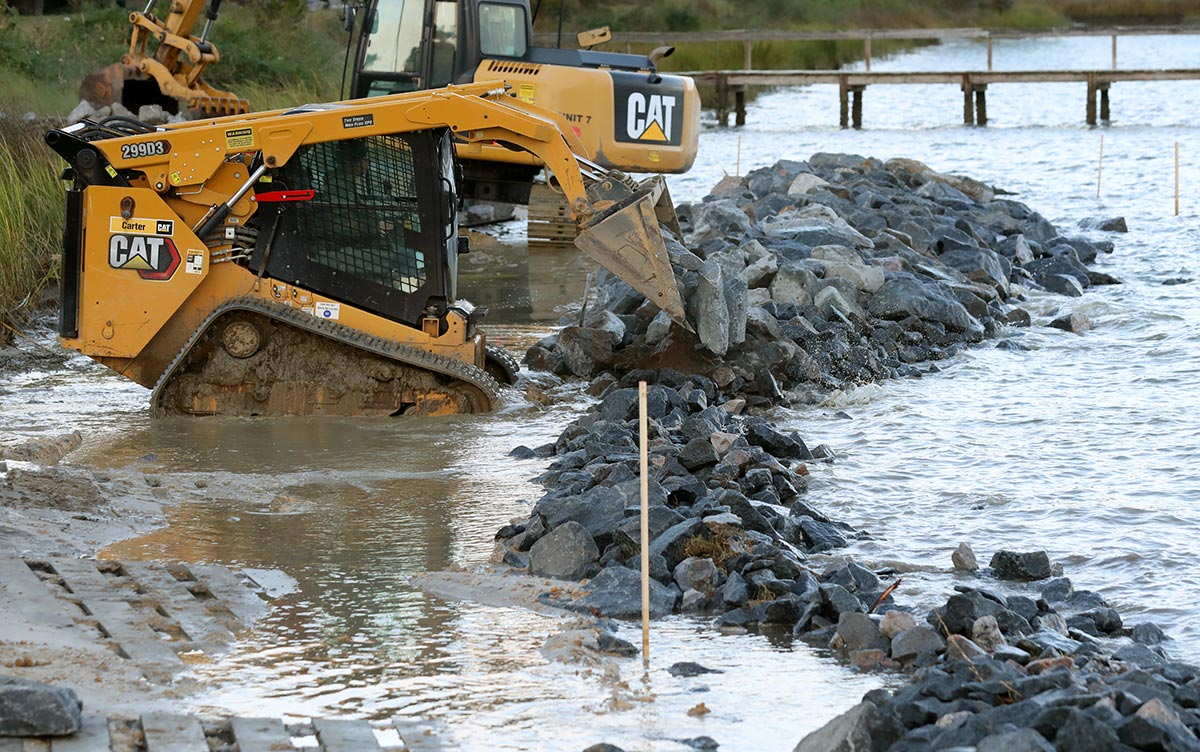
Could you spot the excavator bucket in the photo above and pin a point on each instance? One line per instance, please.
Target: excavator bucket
(628, 241)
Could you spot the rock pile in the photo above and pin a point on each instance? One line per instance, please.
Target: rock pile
(729, 530)
(1020, 673)
(811, 276)
(150, 114)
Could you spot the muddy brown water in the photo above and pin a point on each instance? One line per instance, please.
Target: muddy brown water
(335, 515)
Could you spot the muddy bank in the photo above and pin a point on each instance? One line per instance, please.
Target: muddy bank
(52, 509)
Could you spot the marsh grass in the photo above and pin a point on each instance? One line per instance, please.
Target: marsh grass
(31, 216)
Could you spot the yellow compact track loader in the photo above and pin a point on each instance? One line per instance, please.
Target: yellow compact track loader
(170, 76)
(304, 261)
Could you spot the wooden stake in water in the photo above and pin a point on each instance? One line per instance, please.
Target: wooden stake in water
(643, 446)
(1100, 166)
(1176, 178)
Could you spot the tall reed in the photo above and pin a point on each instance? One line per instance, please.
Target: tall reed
(31, 217)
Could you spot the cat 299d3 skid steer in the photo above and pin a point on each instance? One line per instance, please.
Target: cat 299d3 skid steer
(304, 261)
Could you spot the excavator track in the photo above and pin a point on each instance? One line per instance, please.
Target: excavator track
(255, 357)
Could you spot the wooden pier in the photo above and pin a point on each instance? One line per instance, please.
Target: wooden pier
(731, 85)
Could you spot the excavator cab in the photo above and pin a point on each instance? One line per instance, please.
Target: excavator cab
(629, 116)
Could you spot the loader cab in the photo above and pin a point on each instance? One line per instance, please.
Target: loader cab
(406, 45)
(376, 232)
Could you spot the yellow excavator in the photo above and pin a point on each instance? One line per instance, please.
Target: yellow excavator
(628, 115)
(304, 261)
(170, 75)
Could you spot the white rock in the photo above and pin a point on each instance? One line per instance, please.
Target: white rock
(805, 183)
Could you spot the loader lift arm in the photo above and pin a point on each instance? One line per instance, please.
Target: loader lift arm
(618, 216)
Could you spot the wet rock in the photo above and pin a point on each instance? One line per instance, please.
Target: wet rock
(697, 574)
(1021, 740)
(761, 434)
(821, 536)
(1045, 642)
(29, 708)
(895, 622)
(586, 351)
(962, 610)
(1105, 224)
(857, 631)
(863, 728)
(960, 648)
(44, 451)
(963, 558)
(688, 669)
(1148, 633)
(705, 743)
(1076, 323)
(565, 553)
(617, 593)
(911, 643)
(985, 632)
(734, 592)
(604, 747)
(600, 510)
(904, 296)
(1010, 565)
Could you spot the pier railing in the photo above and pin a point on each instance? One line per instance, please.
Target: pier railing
(730, 85)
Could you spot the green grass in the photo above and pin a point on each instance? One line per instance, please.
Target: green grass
(271, 56)
(31, 216)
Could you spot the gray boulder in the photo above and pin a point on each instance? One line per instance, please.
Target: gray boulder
(599, 509)
(913, 642)
(1021, 740)
(29, 708)
(1029, 566)
(710, 310)
(980, 265)
(586, 351)
(963, 558)
(863, 728)
(695, 573)
(1105, 224)
(617, 593)
(903, 295)
(792, 285)
(565, 553)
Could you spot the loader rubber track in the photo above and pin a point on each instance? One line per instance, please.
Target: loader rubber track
(506, 368)
(406, 379)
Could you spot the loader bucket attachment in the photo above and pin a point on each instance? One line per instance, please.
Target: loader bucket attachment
(628, 242)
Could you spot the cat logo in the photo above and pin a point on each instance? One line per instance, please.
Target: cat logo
(646, 112)
(648, 116)
(153, 257)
